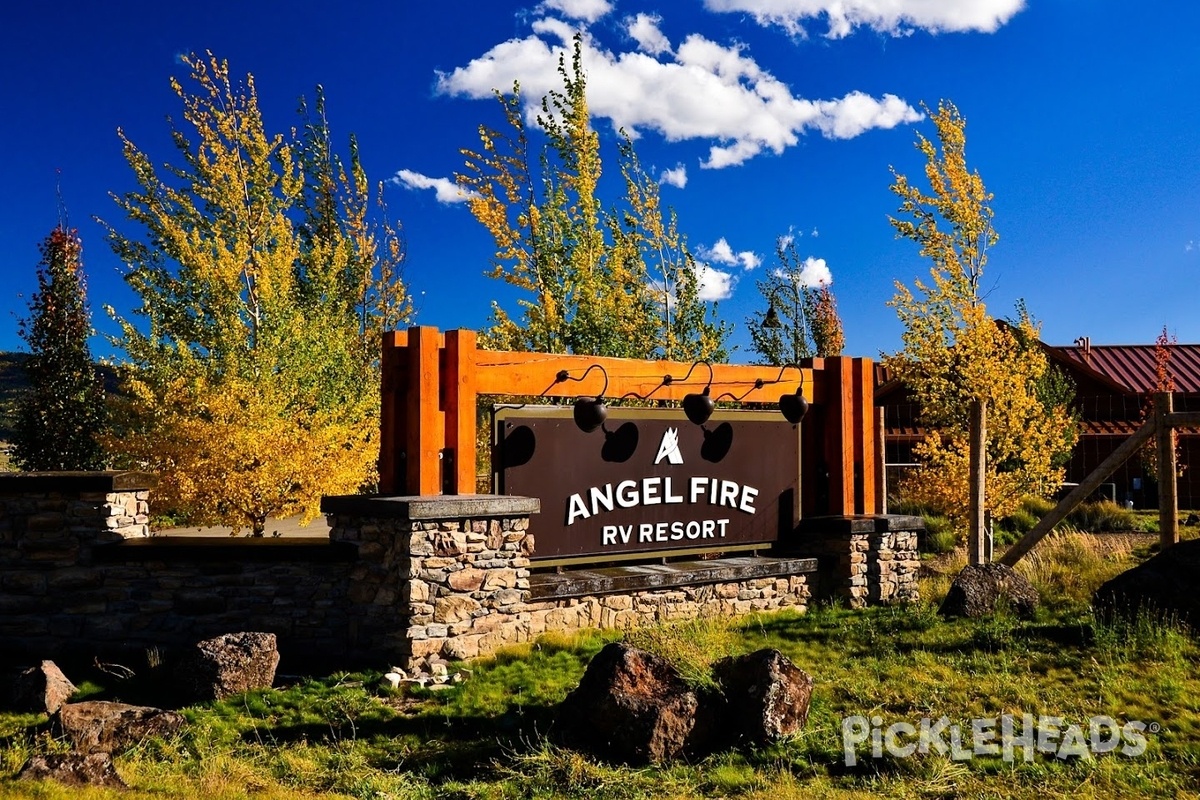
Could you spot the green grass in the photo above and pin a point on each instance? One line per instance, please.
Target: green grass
(341, 736)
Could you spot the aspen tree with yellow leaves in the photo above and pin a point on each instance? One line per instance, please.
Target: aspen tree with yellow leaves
(251, 385)
(957, 357)
(613, 282)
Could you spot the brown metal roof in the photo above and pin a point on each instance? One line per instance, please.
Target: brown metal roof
(1131, 366)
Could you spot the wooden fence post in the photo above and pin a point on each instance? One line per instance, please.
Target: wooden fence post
(977, 550)
(1168, 494)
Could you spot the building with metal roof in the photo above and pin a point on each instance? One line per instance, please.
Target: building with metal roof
(1112, 386)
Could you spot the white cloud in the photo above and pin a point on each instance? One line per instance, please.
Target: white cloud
(446, 190)
(676, 177)
(815, 233)
(586, 10)
(643, 29)
(813, 272)
(722, 253)
(713, 284)
(894, 17)
(703, 90)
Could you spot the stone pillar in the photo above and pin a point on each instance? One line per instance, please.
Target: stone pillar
(50, 526)
(865, 560)
(438, 576)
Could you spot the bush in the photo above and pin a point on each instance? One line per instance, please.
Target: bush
(1103, 517)
(940, 536)
(690, 645)
(1037, 506)
(1068, 567)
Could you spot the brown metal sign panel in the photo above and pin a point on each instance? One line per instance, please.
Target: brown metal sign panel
(649, 480)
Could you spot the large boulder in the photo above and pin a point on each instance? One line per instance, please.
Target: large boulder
(227, 665)
(979, 589)
(1164, 586)
(41, 689)
(102, 727)
(630, 707)
(764, 697)
(73, 769)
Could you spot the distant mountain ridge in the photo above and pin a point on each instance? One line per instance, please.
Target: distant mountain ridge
(14, 381)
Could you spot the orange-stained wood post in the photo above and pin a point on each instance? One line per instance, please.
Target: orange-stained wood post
(812, 441)
(425, 429)
(881, 499)
(865, 455)
(839, 434)
(459, 392)
(393, 400)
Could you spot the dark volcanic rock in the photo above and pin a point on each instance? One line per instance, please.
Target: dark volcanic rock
(630, 707)
(102, 727)
(41, 689)
(227, 665)
(978, 589)
(1164, 586)
(764, 698)
(73, 769)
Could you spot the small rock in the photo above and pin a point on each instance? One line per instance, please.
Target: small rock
(978, 588)
(399, 671)
(438, 687)
(764, 698)
(41, 689)
(227, 665)
(457, 677)
(630, 707)
(102, 727)
(73, 769)
(439, 669)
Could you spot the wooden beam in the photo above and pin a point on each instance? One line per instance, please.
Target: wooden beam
(459, 410)
(1079, 493)
(1183, 419)
(839, 435)
(392, 410)
(425, 426)
(506, 373)
(865, 456)
(1168, 490)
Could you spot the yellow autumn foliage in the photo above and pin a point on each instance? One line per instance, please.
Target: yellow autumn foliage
(614, 282)
(955, 353)
(252, 385)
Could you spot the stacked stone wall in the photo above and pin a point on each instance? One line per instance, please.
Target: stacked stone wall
(866, 560)
(400, 580)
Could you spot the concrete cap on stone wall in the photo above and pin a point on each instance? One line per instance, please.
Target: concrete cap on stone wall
(863, 523)
(438, 506)
(77, 482)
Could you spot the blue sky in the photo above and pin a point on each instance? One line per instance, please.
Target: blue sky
(782, 115)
